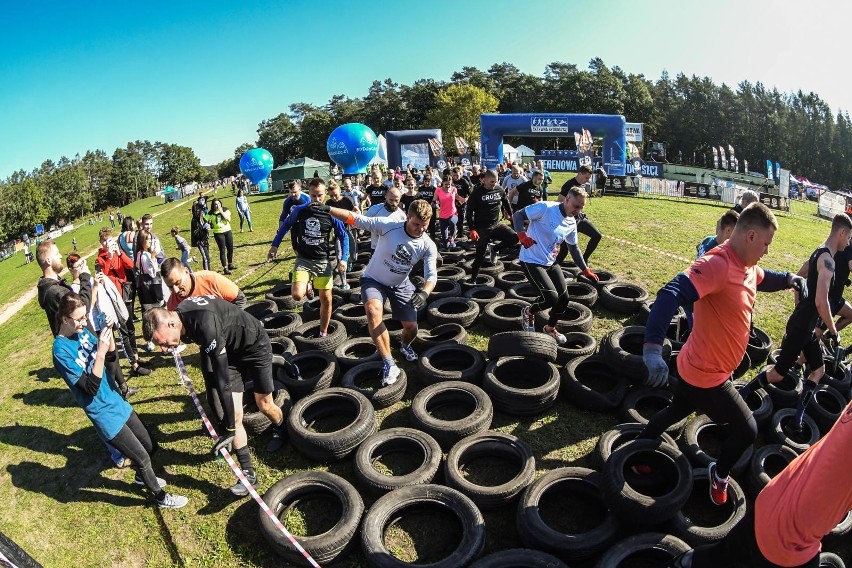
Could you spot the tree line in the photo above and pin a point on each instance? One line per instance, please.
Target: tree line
(691, 114)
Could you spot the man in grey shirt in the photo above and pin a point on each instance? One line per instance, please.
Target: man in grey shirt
(401, 245)
(388, 209)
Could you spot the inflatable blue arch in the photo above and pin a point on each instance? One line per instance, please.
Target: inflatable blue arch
(398, 140)
(610, 127)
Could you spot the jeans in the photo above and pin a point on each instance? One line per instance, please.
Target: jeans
(184, 258)
(204, 252)
(245, 217)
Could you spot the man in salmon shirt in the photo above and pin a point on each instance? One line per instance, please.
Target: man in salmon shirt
(722, 284)
(793, 513)
(185, 284)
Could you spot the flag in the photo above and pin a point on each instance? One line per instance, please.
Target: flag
(461, 145)
(436, 147)
(769, 169)
(731, 151)
(778, 170)
(722, 159)
(715, 158)
(745, 166)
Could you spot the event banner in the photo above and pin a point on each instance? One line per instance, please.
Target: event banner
(784, 183)
(775, 201)
(633, 131)
(568, 162)
(701, 191)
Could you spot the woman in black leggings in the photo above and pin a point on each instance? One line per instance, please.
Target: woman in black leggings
(220, 222)
(80, 358)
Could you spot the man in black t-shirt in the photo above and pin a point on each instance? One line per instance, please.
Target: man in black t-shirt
(376, 191)
(463, 189)
(584, 226)
(486, 207)
(584, 174)
(528, 192)
(239, 350)
(426, 192)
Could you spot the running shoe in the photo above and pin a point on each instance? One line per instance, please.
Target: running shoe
(139, 481)
(527, 320)
(718, 487)
(309, 292)
(554, 333)
(492, 253)
(130, 392)
(170, 501)
(408, 351)
(277, 441)
(390, 374)
(239, 489)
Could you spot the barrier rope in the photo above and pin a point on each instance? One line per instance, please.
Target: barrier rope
(185, 380)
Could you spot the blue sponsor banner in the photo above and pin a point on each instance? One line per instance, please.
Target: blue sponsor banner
(568, 161)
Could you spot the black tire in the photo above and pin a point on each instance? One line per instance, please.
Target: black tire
(826, 407)
(577, 344)
(440, 335)
(780, 432)
(646, 549)
(311, 308)
(786, 392)
(318, 371)
(743, 367)
(462, 311)
(838, 377)
(261, 308)
(571, 267)
(394, 328)
(697, 438)
(256, 422)
(518, 558)
(759, 346)
(381, 397)
(645, 311)
(642, 403)
(655, 502)
(522, 343)
(521, 386)
(759, 402)
(588, 383)
(356, 351)
(454, 273)
(389, 508)
(840, 533)
(598, 532)
(582, 293)
(493, 445)
(509, 278)
(353, 317)
(622, 350)
(616, 437)
(281, 324)
(623, 297)
(716, 522)
(338, 444)
(472, 400)
(325, 547)
(523, 291)
(282, 295)
(15, 554)
(503, 315)
(484, 295)
(604, 277)
(830, 560)
(767, 462)
(446, 289)
(391, 441)
(283, 345)
(577, 317)
(306, 337)
(481, 280)
(450, 362)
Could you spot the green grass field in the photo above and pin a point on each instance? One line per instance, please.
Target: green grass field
(63, 502)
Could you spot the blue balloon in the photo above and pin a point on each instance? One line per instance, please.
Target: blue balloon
(352, 146)
(256, 164)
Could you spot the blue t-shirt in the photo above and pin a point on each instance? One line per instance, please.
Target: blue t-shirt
(705, 246)
(75, 355)
(289, 203)
(548, 227)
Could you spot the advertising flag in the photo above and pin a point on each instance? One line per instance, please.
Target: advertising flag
(769, 169)
(722, 159)
(715, 158)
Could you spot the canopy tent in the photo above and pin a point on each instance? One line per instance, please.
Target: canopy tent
(381, 156)
(300, 168)
(509, 152)
(523, 151)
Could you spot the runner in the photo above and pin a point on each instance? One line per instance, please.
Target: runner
(529, 192)
(723, 285)
(724, 227)
(426, 192)
(80, 358)
(549, 225)
(584, 226)
(315, 255)
(792, 513)
(402, 244)
(388, 208)
(486, 207)
(239, 350)
(814, 305)
(376, 190)
(296, 198)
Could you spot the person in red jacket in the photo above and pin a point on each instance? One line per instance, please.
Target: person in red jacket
(118, 267)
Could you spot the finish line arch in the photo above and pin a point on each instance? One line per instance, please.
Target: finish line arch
(610, 127)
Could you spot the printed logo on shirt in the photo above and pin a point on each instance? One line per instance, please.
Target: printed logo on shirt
(211, 347)
(492, 196)
(312, 227)
(402, 255)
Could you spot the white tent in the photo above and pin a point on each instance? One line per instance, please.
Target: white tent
(524, 151)
(509, 152)
(381, 156)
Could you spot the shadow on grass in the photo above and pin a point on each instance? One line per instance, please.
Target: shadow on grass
(65, 484)
(56, 397)
(44, 374)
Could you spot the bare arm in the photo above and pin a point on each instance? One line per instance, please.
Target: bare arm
(825, 271)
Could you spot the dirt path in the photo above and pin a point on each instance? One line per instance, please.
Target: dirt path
(12, 308)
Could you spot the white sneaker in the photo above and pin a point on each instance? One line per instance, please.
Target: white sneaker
(390, 374)
(408, 351)
(527, 320)
(172, 501)
(554, 333)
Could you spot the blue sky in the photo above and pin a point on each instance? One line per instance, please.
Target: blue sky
(76, 76)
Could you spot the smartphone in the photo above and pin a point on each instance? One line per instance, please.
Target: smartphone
(100, 321)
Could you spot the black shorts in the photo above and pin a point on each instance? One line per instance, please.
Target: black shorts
(255, 366)
(796, 342)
